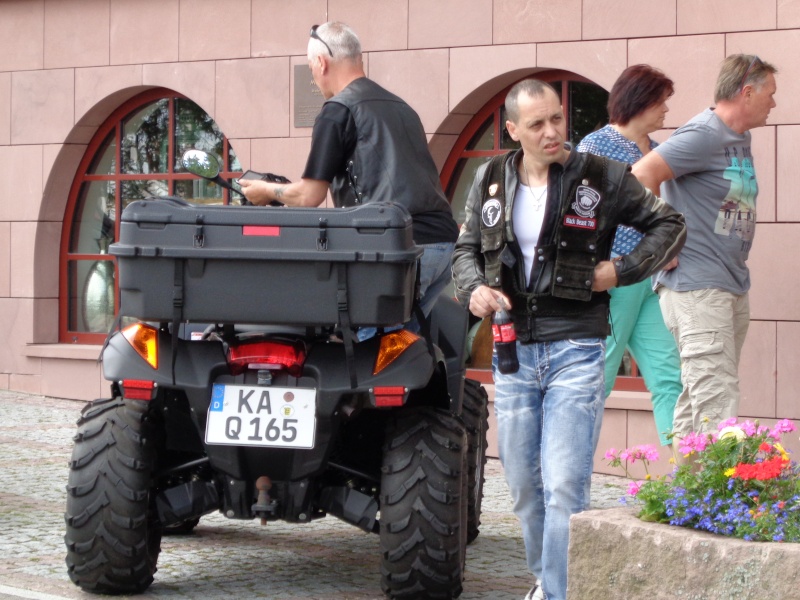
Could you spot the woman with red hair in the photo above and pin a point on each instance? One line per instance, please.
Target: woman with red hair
(637, 106)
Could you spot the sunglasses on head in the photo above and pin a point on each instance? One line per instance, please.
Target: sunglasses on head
(748, 71)
(315, 35)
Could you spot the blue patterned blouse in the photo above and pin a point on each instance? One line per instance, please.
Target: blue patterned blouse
(611, 143)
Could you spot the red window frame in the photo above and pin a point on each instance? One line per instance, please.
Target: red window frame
(114, 123)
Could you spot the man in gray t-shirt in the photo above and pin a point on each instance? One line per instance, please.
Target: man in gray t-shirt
(708, 173)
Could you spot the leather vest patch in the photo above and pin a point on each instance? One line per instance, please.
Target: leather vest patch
(577, 239)
(491, 212)
(584, 207)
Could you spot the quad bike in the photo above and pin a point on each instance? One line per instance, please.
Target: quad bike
(237, 386)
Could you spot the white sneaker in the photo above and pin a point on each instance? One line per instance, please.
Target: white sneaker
(536, 593)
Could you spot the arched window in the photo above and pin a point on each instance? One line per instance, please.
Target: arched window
(136, 153)
(485, 136)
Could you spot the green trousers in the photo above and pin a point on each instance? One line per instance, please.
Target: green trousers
(637, 324)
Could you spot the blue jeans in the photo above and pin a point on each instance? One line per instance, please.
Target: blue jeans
(546, 416)
(434, 277)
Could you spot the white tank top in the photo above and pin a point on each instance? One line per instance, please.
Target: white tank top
(528, 217)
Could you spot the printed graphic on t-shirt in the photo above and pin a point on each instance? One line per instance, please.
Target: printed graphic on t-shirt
(737, 214)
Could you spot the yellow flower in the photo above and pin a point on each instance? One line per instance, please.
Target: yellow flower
(730, 472)
(672, 460)
(648, 477)
(780, 449)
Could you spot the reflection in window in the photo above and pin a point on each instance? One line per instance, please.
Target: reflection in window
(91, 295)
(194, 129)
(93, 221)
(135, 155)
(145, 139)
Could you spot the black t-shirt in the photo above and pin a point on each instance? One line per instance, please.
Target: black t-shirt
(333, 141)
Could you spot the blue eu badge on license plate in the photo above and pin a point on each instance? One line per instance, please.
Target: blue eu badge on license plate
(217, 397)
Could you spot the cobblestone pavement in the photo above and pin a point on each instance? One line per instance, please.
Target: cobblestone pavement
(327, 559)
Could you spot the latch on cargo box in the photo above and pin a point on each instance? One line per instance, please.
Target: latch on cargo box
(322, 240)
(199, 236)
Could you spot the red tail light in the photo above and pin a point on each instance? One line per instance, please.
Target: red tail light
(268, 354)
(138, 389)
(389, 395)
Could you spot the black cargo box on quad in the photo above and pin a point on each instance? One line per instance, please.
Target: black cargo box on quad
(226, 264)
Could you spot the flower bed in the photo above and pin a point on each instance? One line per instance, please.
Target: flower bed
(739, 482)
(615, 556)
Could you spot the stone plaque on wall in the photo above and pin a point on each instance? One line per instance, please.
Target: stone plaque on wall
(307, 97)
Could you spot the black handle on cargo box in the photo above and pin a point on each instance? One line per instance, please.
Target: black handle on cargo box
(199, 236)
(322, 239)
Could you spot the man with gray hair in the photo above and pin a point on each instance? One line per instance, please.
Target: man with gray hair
(708, 173)
(369, 145)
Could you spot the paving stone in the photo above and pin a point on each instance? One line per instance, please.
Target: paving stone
(223, 559)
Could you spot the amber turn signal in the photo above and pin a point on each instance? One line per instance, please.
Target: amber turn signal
(393, 345)
(144, 340)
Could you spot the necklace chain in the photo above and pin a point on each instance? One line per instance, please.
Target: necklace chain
(538, 199)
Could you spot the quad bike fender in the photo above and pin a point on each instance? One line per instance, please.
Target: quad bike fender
(192, 369)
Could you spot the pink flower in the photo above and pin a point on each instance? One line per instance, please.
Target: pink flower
(782, 426)
(645, 452)
(611, 454)
(694, 442)
(649, 452)
(749, 428)
(634, 487)
(626, 455)
(726, 423)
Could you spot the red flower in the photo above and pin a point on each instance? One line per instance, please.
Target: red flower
(765, 447)
(769, 469)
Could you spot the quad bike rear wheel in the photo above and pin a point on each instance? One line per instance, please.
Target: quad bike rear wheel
(476, 420)
(423, 505)
(113, 538)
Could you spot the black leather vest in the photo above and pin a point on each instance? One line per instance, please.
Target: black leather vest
(390, 139)
(561, 281)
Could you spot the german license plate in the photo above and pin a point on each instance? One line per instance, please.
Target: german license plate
(243, 415)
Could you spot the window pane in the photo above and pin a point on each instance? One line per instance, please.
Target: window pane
(93, 226)
(199, 191)
(91, 295)
(104, 162)
(234, 197)
(141, 189)
(484, 137)
(195, 129)
(506, 143)
(145, 139)
(460, 183)
(233, 161)
(587, 109)
(559, 87)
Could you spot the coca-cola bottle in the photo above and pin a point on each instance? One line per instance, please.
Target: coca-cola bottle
(505, 341)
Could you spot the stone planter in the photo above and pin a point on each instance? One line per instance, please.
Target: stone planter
(614, 555)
